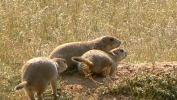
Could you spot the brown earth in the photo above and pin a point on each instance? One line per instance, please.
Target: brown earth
(77, 86)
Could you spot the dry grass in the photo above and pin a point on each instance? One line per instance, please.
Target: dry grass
(34, 28)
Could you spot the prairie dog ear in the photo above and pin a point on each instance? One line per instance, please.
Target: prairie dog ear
(62, 65)
(112, 52)
(103, 40)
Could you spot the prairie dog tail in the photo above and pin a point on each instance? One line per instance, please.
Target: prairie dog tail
(20, 86)
(84, 60)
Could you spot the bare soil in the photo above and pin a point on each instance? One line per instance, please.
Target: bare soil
(76, 85)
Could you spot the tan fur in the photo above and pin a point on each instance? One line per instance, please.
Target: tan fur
(38, 72)
(68, 50)
(100, 62)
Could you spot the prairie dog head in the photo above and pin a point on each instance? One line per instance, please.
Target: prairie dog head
(62, 66)
(109, 43)
(119, 54)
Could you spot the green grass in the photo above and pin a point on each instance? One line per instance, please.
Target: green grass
(34, 28)
(147, 86)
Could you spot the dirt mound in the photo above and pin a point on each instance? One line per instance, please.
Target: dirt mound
(75, 84)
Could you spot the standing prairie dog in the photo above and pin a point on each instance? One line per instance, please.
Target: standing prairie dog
(100, 62)
(68, 50)
(38, 72)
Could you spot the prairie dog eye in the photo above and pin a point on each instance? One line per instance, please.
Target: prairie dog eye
(111, 39)
(121, 50)
(64, 61)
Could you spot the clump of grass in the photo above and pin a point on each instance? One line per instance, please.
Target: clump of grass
(147, 86)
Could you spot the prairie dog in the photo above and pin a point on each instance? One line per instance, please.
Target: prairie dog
(100, 62)
(68, 50)
(38, 72)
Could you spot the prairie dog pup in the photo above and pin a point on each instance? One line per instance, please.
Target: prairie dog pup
(38, 72)
(100, 62)
(68, 50)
